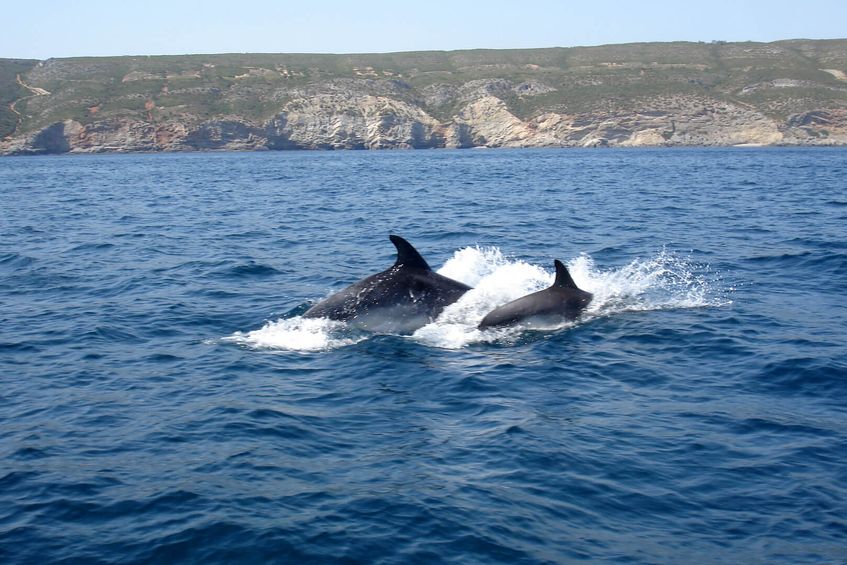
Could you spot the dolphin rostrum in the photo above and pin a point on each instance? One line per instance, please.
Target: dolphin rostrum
(400, 299)
(562, 301)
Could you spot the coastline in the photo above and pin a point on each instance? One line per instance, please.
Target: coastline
(791, 93)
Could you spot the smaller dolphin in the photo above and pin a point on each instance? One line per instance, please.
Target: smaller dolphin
(562, 301)
(402, 298)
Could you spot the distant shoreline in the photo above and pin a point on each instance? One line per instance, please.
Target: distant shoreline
(785, 93)
(432, 150)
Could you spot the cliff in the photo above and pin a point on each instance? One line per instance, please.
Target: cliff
(649, 94)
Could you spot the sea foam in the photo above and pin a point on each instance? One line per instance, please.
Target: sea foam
(663, 281)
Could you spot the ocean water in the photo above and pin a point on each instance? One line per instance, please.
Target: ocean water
(162, 400)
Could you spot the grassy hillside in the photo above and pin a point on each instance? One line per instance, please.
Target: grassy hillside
(778, 79)
(10, 91)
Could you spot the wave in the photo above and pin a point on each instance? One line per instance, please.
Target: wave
(15, 260)
(664, 281)
(298, 334)
(247, 270)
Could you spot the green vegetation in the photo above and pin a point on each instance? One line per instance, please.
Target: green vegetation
(10, 91)
(777, 78)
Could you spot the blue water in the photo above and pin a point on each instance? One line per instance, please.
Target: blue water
(162, 400)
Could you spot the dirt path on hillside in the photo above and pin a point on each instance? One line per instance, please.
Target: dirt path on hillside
(35, 92)
(34, 89)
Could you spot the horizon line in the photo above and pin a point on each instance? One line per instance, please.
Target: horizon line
(364, 53)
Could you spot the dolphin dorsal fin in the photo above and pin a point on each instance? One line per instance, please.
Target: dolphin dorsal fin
(563, 277)
(407, 256)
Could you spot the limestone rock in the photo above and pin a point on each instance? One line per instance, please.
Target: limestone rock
(390, 113)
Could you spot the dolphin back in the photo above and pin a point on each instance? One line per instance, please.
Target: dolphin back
(562, 301)
(403, 298)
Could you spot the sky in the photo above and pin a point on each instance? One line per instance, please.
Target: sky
(64, 28)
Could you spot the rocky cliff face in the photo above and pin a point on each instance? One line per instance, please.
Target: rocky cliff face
(83, 106)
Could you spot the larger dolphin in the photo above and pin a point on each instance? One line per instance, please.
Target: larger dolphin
(400, 299)
(562, 301)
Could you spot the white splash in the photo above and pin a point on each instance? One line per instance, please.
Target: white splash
(496, 281)
(297, 334)
(661, 282)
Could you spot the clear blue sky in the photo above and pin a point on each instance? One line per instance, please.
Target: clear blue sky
(66, 28)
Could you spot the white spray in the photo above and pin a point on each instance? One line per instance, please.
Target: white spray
(661, 282)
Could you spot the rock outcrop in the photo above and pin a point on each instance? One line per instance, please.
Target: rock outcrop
(545, 99)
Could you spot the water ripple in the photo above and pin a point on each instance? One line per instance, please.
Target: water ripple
(163, 399)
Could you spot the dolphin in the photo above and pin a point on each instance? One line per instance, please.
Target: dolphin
(401, 299)
(562, 301)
